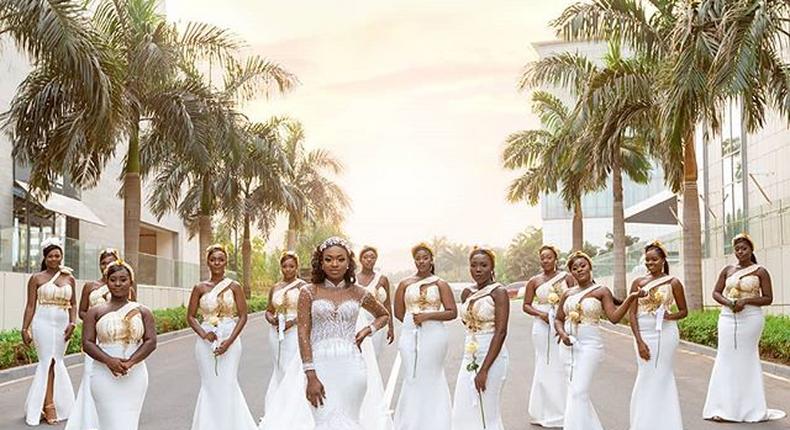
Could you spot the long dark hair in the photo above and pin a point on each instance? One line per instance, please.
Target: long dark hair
(318, 276)
(46, 252)
(748, 242)
(660, 250)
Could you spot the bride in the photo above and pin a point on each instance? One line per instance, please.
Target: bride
(332, 372)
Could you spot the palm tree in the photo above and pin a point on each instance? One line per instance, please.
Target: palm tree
(218, 130)
(64, 117)
(704, 53)
(253, 189)
(319, 198)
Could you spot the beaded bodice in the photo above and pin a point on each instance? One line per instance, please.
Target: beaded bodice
(124, 326)
(285, 299)
(550, 292)
(50, 294)
(334, 321)
(742, 284)
(478, 314)
(219, 302)
(580, 308)
(420, 298)
(99, 296)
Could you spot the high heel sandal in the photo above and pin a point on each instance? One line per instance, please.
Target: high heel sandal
(50, 414)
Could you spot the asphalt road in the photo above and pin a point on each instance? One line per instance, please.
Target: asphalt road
(174, 384)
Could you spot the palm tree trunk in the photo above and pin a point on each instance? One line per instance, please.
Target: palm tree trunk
(246, 257)
(291, 236)
(618, 228)
(692, 235)
(132, 198)
(204, 225)
(578, 226)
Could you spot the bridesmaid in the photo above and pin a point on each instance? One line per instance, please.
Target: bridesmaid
(281, 316)
(485, 310)
(423, 302)
(119, 334)
(742, 290)
(220, 402)
(656, 333)
(547, 396)
(48, 323)
(94, 293)
(379, 286)
(578, 315)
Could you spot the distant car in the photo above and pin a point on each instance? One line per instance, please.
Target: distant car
(515, 290)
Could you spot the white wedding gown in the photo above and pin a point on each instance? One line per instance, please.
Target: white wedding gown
(379, 339)
(549, 385)
(655, 379)
(424, 401)
(220, 402)
(738, 358)
(83, 415)
(119, 399)
(354, 401)
(49, 323)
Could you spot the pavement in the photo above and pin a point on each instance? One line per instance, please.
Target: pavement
(174, 383)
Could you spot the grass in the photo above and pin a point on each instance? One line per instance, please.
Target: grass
(14, 353)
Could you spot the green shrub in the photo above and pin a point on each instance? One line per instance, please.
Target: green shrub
(14, 353)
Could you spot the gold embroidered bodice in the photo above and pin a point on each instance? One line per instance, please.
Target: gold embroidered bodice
(420, 299)
(50, 294)
(742, 288)
(124, 326)
(99, 296)
(583, 310)
(219, 302)
(656, 297)
(479, 317)
(379, 292)
(285, 300)
(549, 293)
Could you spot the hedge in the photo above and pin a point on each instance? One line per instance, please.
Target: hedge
(14, 353)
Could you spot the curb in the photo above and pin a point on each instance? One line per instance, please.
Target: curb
(775, 369)
(12, 374)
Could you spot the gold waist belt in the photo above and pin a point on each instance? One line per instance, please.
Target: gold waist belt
(65, 304)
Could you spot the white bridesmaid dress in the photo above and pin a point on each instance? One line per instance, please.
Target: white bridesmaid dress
(47, 327)
(472, 410)
(379, 339)
(738, 357)
(83, 415)
(549, 385)
(424, 401)
(220, 402)
(283, 344)
(119, 399)
(583, 316)
(654, 400)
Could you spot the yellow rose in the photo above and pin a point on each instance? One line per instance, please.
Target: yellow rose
(659, 296)
(554, 298)
(471, 347)
(575, 316)
(214, 320)
(734, 294)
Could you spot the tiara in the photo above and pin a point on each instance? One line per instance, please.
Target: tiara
(334, 241)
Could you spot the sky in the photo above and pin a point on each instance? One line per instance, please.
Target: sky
(414, 97)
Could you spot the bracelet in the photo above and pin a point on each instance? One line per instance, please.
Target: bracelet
(373, 329)
(306, 367)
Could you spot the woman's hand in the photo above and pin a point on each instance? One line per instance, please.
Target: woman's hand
(69, 331)
(27, 339)
(545, 317)
(361, 335)
(480, 380)
(315, 390)
(738, 306)
(271, 318)
(565, 339)
(116, 366)
(223, 347)
(644, 350)
(390, 335)
(419, 319)
(289, 324)
(210, 337)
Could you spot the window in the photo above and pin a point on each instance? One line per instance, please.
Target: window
(732, 166)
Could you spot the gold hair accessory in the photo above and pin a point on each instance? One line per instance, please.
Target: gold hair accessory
(579, 254)
(551, 248)
(290, 254)
(122, 263)
(658, 244)
(215, 247)
(367, 248)
(743, 236)
(419, 246)
(485, 251)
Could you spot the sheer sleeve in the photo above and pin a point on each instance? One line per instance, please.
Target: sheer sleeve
(304, 318)
(370, 304)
